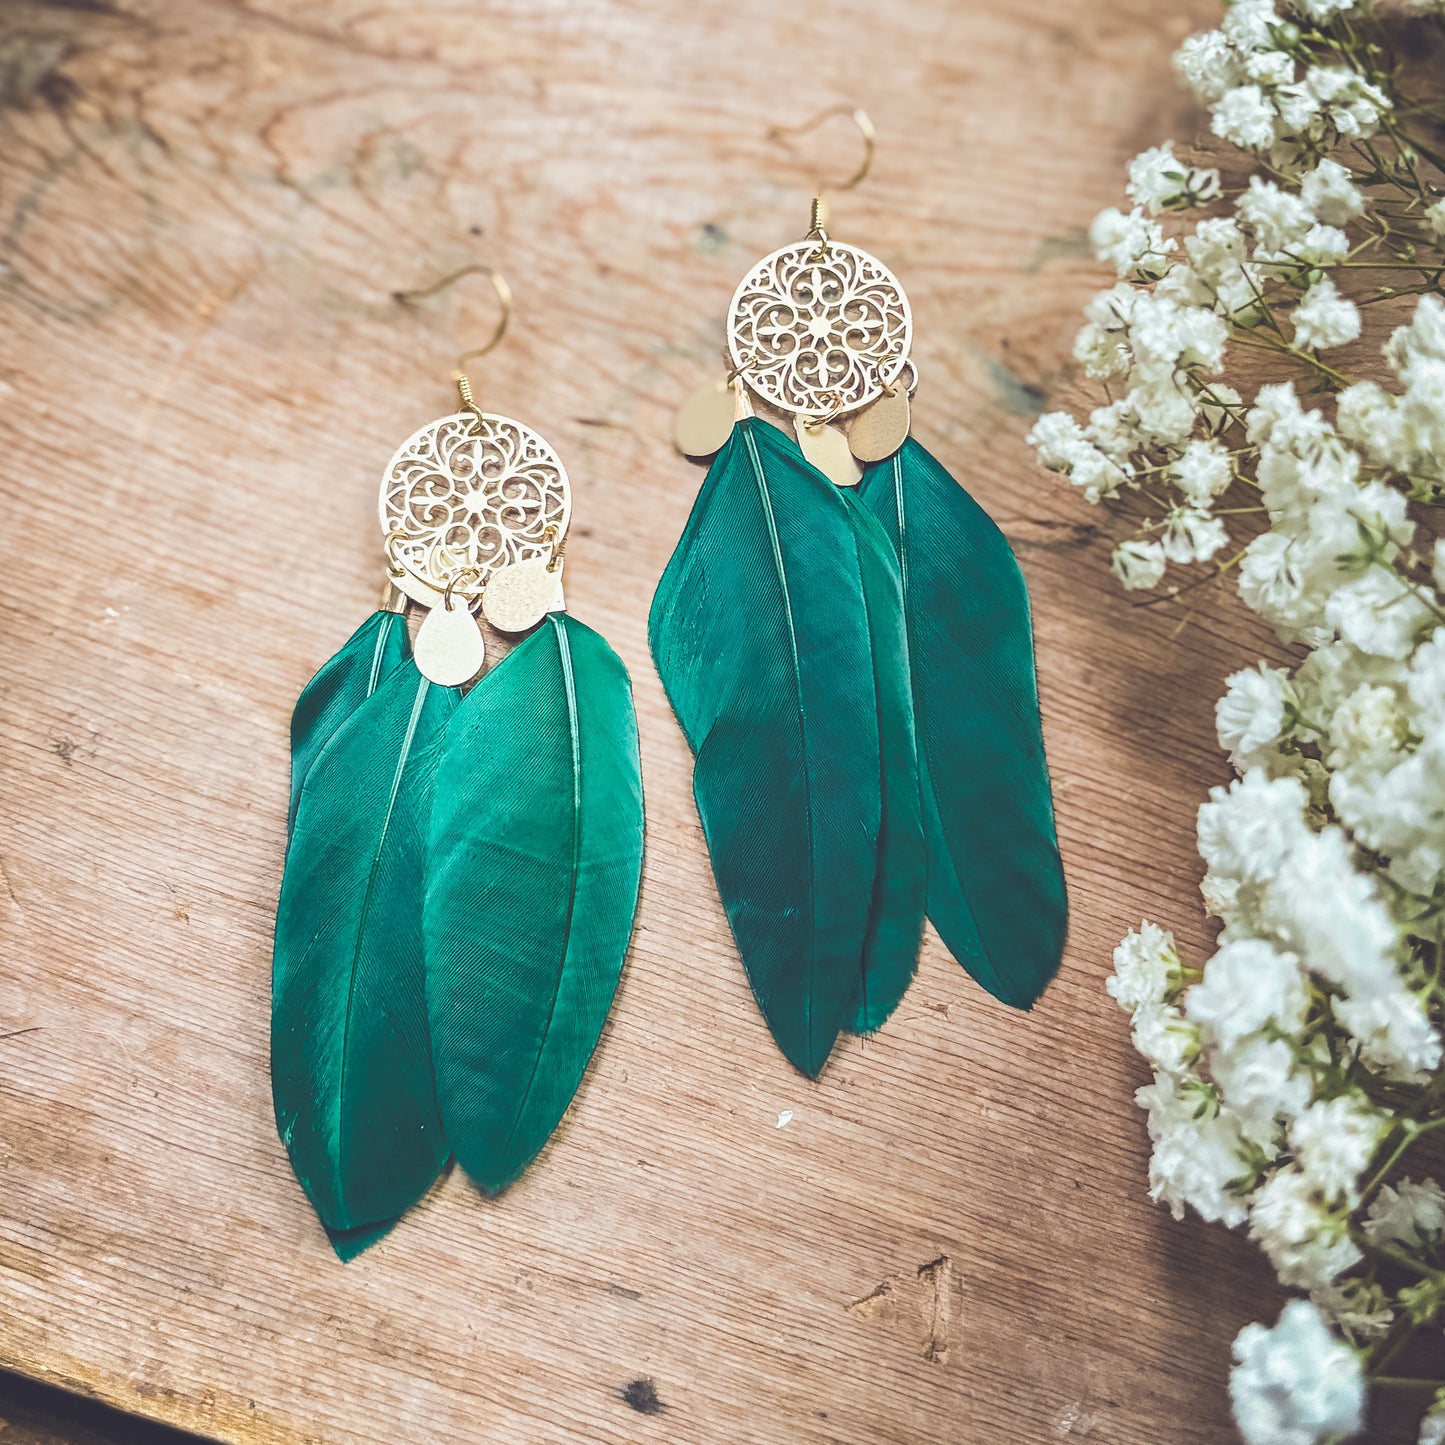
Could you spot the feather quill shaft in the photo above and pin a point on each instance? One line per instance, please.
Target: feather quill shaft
(895, 916)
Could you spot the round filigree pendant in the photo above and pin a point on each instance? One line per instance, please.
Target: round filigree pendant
(466, 496)
(819, 331)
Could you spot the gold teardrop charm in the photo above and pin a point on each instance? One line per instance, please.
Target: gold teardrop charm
(827, 448)
(450, 648)
(881, 427)
(705, 420)
(520, 595)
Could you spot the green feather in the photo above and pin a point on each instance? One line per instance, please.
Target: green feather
(535, 858)
(760, 633)
(342, 685)
(895, 919)
(350, 1060)
(995, 882)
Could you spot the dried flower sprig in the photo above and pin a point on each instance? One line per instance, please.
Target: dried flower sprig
(1298, 1072)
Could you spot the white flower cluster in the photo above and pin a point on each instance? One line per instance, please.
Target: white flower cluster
(1263, 98)
(1163, 329)
(1295, 1384)
(1294, 1071)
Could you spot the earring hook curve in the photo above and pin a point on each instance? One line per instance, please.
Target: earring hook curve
(864, 124)
(504, 299)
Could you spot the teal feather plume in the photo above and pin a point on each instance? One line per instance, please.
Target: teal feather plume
(760, 633)
(535, 858)
(350, 1057)
(995, 882)
(342, 685)
(895, 918)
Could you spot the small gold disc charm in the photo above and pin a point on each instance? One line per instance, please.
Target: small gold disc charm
(520, 595)
(882, 427)
(705, 420)
(450, 648)
(827, 448)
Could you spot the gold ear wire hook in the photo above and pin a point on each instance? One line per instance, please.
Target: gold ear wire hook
(504, 297)
(860, 118)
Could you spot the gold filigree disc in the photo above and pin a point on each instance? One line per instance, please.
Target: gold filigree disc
(465, 496)
(819, 329)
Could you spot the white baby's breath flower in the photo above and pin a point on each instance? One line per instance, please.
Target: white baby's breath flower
(1101, 351)
(1260, 1079)
(1251, 714)
(1057, 437)
(1146, 968)
(1114, 429)
(1379, 613)
(1272, 583)
(1248, 829)
(1202, 471)
(1165, 337)
(1248, 985)
(1276, 218)
(1393, 1029)
(1435, 215)
(1318, 904)
(1063, 447)
(1331, 194)
(1192, 535)
(1217, 252)
(1360, 1308)
(1199, 1152)
(1351, 106)
(1223, 897)
(1138, 563)
(1160, 181)
(1306, 1239)
(1322, 245)
(1134, 245)
(1432, 1427)
(1366, 729)
(1165, 1037)
(1208, 64)
(1273, 69)
(1295, 1384)
(1333, 1143)
(1243, 115)
(1251, 25)
(1323, 10)
(1408, 1214)
(1325, 318)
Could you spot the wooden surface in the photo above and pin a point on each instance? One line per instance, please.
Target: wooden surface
(205, 208)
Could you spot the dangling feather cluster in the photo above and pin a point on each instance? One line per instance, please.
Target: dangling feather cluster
(461, 878)
(854, 672)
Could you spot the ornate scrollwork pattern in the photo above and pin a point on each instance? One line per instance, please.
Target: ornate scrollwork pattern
(465, 496)
(819, 331)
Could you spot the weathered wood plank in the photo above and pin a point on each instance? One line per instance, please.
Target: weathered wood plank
(206, 207)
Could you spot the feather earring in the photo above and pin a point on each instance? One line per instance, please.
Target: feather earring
(844, 636)
(462, 867)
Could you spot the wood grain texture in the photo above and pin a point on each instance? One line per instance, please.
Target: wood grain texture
(205, 208)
